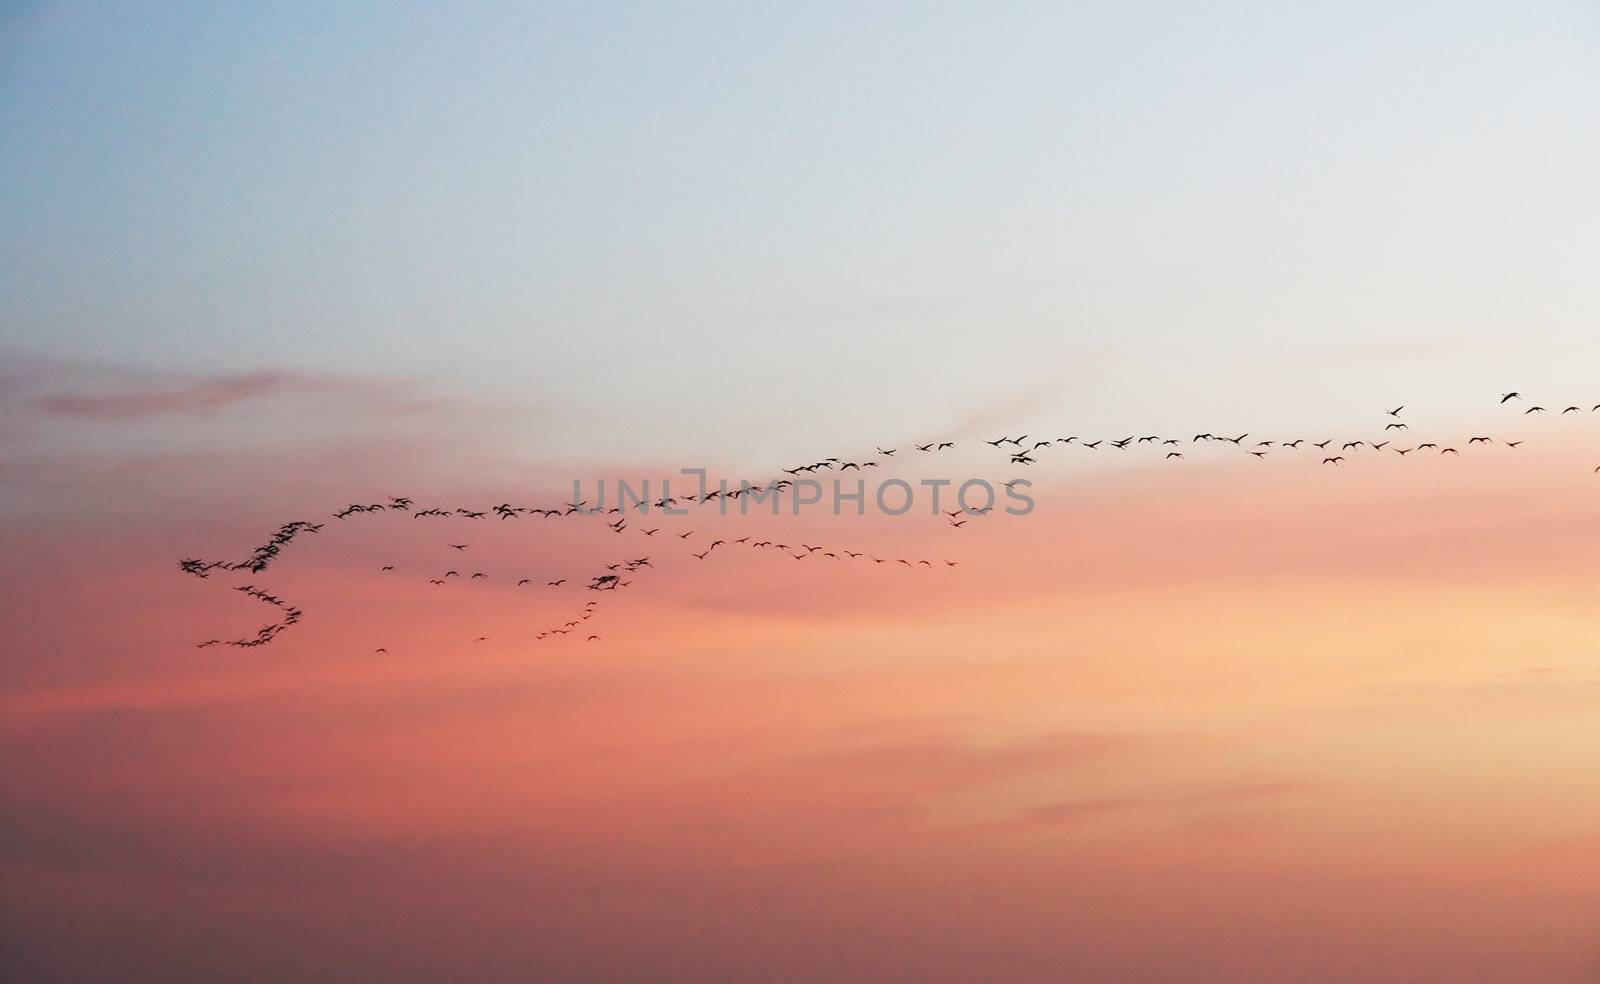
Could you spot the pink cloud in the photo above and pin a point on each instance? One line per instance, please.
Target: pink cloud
(209, 394)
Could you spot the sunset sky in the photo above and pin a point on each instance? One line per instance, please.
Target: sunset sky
(1210, 719)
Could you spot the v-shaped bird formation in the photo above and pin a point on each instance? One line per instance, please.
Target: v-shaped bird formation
(1021, 450)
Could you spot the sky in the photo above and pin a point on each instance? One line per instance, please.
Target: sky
(1210, 718)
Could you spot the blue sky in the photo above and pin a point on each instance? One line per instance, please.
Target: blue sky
(673, 226)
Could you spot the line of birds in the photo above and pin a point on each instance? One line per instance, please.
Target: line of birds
(266, 633)
(261, 557)
(1018, 449)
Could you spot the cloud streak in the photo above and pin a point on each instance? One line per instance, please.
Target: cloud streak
(203, 396)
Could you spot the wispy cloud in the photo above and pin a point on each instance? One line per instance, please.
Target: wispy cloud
(44, 388)
(1082, 810)
(195, 397)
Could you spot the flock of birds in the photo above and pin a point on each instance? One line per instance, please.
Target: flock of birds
(1021, 450)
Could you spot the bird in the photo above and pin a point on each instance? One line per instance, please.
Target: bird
(593, 638)
(1021, 452)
